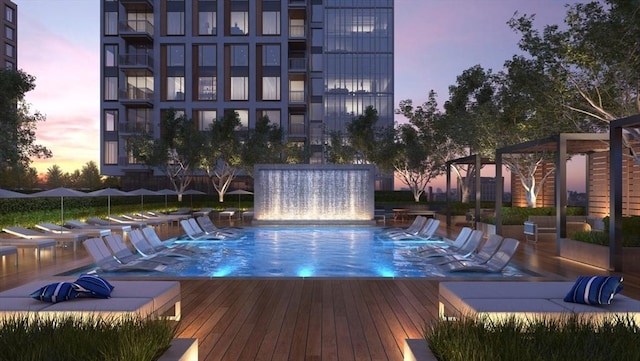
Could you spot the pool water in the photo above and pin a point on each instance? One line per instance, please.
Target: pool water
(273, 252)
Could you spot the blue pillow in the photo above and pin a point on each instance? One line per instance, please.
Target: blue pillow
(56, 292)
(594, 290)
(90, 285)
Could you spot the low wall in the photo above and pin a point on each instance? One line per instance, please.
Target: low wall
(597, 255)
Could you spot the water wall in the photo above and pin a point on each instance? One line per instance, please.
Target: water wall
(321, 193)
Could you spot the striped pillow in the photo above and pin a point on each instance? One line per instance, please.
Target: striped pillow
(594, 290)
(56, 292)
(90, 285)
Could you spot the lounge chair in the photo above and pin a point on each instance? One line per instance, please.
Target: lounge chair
(455, 246)
(427, 233)
(247, 214)
(169, 218)
(110, 223)
(418, 223)
(484, 252)
(470, 245)
(145, 248)
(152, 237)
(62, 238)
(125, 255)
(35, 244)
(495, 264)
(207, 226)
(8, 251)
(202, 212)
(107, 262)
(54, 228)
(197, 234)
(228, 212)
(122, 220)
(74, 223)
(181, 212)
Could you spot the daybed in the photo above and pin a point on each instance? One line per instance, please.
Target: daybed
(143, 298)
(498, 300)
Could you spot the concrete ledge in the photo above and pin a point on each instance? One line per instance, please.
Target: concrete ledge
(181, 349)
(417, 349)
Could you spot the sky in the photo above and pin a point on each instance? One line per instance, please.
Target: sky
(435, 40)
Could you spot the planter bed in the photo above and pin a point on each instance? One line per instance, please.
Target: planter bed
(598, 255)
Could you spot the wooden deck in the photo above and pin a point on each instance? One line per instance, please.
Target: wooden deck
(306, 319)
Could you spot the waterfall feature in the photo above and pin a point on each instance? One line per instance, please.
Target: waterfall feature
(298, 193)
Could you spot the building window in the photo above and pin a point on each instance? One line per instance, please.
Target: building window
(207, 55)
(271, 23)
(271, 55)
(110, 120)
(111, 88)
(239, 88)
(175, 23)
(296, 124)
(207, 88)
(243, 115)
(9, 14)
(271, 88)
(175, 55)
(207, 23)
(273, 115)
(9, 33)
(9, 65)
(139, 120)
(111, 23)
(175, 88)
(239, 55)
(206, 118)
(239, 23)
(110, 55)
(10, 50)
(111, 152)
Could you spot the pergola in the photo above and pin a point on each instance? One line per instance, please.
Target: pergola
(615, 158)
(478, 161)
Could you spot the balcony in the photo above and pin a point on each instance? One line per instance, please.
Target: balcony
(137, 5)
(297, 64)
(140, 30)
(296, 3)
(296, 96)
(297, 129)
(137, 96)
(297, 31)
(136, 61)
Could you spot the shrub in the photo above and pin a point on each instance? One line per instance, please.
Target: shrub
(84, 338)
(630, 233)
(518, 215)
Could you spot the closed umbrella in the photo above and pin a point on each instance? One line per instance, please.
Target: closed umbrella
(240, 192)
(108, 192)
(61, 192)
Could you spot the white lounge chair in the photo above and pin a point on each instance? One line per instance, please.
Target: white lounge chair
(427, 233)
(35, 244)
(463, 237)
(106, 261)
(113, 227)
(418, 223)
(470, 245)
(485, 251)
(62, 238)
(207, 226)
(110, 223)
(198, 234)
(152, 237)
(228, 212)
(202, 212)
(145, 248)
(125, 255)
(54, 228)
(122, 220)
(495, 264)
(148, 221)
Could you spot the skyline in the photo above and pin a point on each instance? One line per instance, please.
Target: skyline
(59, 44)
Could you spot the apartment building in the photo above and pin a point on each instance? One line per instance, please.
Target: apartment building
(311, 66)
(9, 34)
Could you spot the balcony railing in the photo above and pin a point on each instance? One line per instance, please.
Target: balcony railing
(296, 129)
(137, 4)
(299, 64)
(136, 28)
(296, 96)
(135, 93)
(137, 60)
(296, 31)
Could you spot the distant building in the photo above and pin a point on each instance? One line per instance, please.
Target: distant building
(487, 189)
(310, 66)
(9, 35)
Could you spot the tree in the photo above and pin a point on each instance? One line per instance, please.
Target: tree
(90, 176)
(338, 151)
(17, 124)
(594, 61)
(19, 177)
(55, 177)
(221, 158)
(263, 145)
(361, 133)
(176, 153)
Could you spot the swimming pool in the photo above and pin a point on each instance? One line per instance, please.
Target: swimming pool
(334, 252)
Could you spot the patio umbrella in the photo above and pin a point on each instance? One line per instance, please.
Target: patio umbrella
(167, 192)
(61, 192)
(108, 192)
(4, 193)
(239, 192)
(191, 192)
(143, 192)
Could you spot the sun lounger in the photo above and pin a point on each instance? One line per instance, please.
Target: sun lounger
(145, 248)
(54, 228)
(125, 255)
(35, 244)
(469, 247)
(113, 227)
(105, 260)
(228, 212)
(169, 218)
(427, 233)
(495, 264)
(181, 212)
(128, 299)
(413, 229)
(483, 254)
(202, 212)
(466, 234)
(495, 300)
(22, 232)
(197, 233)
(152, 237)
(122, 220)
(8, 251)
(110, 223)
(206, 225)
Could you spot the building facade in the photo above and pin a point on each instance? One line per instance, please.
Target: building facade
(9, 34)
(309, 65)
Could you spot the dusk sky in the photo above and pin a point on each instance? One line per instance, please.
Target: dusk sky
(435, 40)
